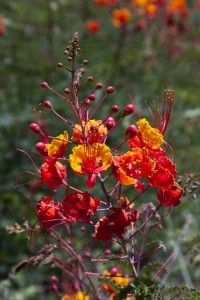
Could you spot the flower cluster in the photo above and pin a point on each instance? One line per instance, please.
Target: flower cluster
(139, 160)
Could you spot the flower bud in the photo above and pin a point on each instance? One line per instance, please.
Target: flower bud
(60, 65)
(110, 123)
(48, 104)
(44, 84)
(87, 254)
(131, 131)
(107, 252)
(87, 102)
(54, 288)
(92, 97)
(69, 58)
(54, 279)
(128, 110)
(91, 181)
(41, 149)
(90, 78)
(99, 85)
(110, 90)
(114, 271)
(94, 128)
(85, 61)
(35, 127)
(82, 70)
(67, 91)
(114, 108)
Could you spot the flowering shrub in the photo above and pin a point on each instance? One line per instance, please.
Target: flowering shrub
(93, 223)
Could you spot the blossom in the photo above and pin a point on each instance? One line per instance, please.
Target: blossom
(92, 26)
(163, 175)
(79, 206)
(91, 160)
(150, 136)
(58, 145)
(49, 212)
(91, 132)
(170, 197)
(177, 6)
(76, 296)
(118, 279)
(121, 16)
(115, 223)
(132, 165)
(52, 173)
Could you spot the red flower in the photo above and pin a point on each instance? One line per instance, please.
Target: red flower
(92, 26)
(49, 212)
(79, 206)
(53, 173)
(115, 223)
(164, 174)
(171, 197)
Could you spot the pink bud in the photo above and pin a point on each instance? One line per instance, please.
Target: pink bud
(35, 127)
(41, 149)
(82, 228)
(85, 61)
(87, 254)
(69, 58)
(82, 70)
(92, 97)
(67, 91)
(113, 271)
(90, 78)
(128, 110)
(114, 108)
(99, 85)
(54, 288)
(131, 131)
(48, 104)
(110, 123)
(54, 279)
(110, 90)
(87, 102)
(107, 251)
(44, 84)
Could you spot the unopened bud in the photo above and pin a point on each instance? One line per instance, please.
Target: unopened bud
(54, 288)
(54, 279)
(114, 271)
(85, 61)
(91, 181)
(82, 228)
(87, 254)
(114, 108)
(48, 104)
(131, 131)
(99, 85)
(92, 97)
(107, 251)
(41, 149)
(110, 90)
(82, 70)
(128, 110)
(35, 127)
(94, 128)
(69, 58)
(60, 65)
(44, 84)
(87, 102)
(67, 91)
(110, 123)
(90, 78)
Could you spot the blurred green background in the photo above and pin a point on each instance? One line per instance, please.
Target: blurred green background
(140, 63)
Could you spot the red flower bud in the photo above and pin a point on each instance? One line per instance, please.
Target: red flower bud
(44, 84)
(110, 90)
(87, 102)
(131, 131)
(94, 128)
(99, 85)
(48, 104)
(114, 271)
(90, 78)
(110, 123)
(67, 91)
(85, 61)
(91, 181)
(41, 149)
(35, 127)
(54, 288)
(69, 58)
(54, 279)
(128, 110)
(92, 97)
(114, 108)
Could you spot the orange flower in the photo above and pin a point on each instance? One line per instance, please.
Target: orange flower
(58, 145)
(177, 6)
(121, 16)
(91, 160)
(92, 132)
(76, 296)
(132, 165)
(79, 206)
(119, 279)
(92, 26)
(52, 173)
(49, 212)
